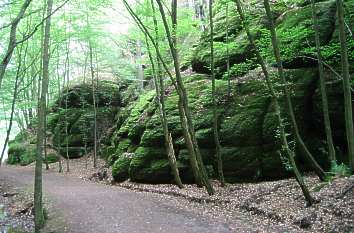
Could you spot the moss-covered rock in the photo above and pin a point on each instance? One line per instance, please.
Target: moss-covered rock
(74, 126)
(295, 33)
(120, 168)
(150, 165)
(52, 158)
(248, 129)
(21, 154)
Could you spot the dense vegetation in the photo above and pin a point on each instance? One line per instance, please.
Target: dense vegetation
(231, 90)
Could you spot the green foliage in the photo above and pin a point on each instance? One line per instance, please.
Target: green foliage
(52, 158)
(339, 170)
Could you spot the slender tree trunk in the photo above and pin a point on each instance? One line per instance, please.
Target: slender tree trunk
(59, 117)
(327, 122)
(38, 205)
(139, 67)
(183, 115)
(94, 106)
(228, 53)
(346, 85)
(215, 114)
(12, 41)
(172, 41)
(14, 98)
(290, 154)
(83, 108)
(45, 139)
(319, 171)
(67, 74)
(160, 90)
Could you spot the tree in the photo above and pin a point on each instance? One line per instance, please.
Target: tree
(60, 170)
(38, 201)
(215, 115)
(13, 104)
(160, 93)
(289, 153)
(185, 116)
(228, 52)
(319, 171)
(12, 41)
(346, 85)
(327, 122)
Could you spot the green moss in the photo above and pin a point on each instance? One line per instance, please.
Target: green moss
(120, 168)
(145, 167)
(29, 156)
(15, 151)
(133, 126)
(73, 152)
(52, 158)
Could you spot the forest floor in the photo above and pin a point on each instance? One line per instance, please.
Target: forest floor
(275, 206)
(16, 206)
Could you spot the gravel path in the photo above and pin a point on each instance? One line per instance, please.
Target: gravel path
(89, 207)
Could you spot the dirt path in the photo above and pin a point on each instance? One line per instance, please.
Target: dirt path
(89, 207)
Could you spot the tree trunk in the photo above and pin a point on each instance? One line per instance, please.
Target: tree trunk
(94, 106)
(327, 122)
(139, 67)
(59, 118)
(12, 41)
(228, 53)
(190, 138)
(160, 90)
(38, 205)
(45, 139)
(67, 73)
(346, 85)
(290, 154)
(13, 104)
(215, 114)
(318, 170)
(183, 115)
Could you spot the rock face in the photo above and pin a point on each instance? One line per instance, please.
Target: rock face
(130, 132)
(248, 129)
(294, 29)
(76, 106)
(21, 151)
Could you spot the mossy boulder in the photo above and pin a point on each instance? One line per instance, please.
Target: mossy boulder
(295, 33)
(71, 120)
(22, 154)
(120, 168)
(52, 158)
(150, 165)
(248, 129)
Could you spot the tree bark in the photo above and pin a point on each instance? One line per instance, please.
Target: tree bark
(290, 154)
(38, 205)
(215, 114)
(66, 76)
(59, 117)
(316, 167)
(327, 122)
(13, 104)
(160, 90)
(94, 106)
(190, 137)
(12, 41)
(346, 85)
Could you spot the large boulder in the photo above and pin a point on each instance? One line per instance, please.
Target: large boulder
(295, 33)
(71, 120)
(249, 132)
